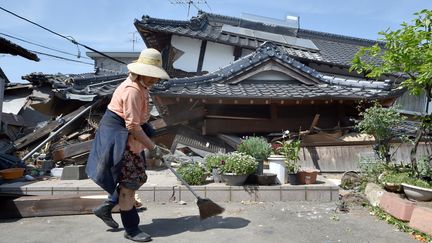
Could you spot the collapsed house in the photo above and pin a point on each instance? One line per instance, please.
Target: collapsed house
(232, 77)
(13, 115)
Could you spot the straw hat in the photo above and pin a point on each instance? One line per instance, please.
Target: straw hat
(149, 64)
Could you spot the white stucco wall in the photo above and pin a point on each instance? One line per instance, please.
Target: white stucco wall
(270, 75)
(191, 48)
(216, 56)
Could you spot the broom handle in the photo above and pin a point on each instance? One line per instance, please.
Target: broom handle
(177, 175)
(182, 180)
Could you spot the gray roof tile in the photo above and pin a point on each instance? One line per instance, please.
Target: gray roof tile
(333, 49)
(217, 84)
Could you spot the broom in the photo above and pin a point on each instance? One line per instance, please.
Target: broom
(207, 208)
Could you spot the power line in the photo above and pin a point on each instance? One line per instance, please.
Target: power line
(46, 47)
(69, 38)
(62, 58)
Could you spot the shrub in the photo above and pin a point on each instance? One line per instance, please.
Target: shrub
(239, 164)
(290, 149)
(378, 121)
(192, 173)
(257, 147)
(424, 167)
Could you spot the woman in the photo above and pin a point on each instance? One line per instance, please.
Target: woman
(115, 162)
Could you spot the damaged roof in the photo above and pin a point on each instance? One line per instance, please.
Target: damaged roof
(305, 44)
(226, 83)
(8, 47)
(84, 87)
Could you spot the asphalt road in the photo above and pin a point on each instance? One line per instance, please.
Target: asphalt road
(241, 222)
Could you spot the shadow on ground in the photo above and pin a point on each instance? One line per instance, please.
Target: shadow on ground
(171, 226)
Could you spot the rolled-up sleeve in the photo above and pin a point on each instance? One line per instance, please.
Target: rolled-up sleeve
(132, 105)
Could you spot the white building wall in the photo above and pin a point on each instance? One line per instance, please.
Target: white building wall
(270, 75)
(191, 48)
(216, 56)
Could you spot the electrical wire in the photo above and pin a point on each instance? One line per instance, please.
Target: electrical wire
(65, 37)
(62, 58)
(46, 47)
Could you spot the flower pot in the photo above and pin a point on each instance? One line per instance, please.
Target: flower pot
(260, 168)
(307, 176)
(390, 186)
(417, 193)
(234, 180)
(266, 179)
(292, 178)
(277, 166)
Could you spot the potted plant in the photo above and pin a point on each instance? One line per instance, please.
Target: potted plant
(213, 162)
(236, 168)
(257, 147)
(289, 149)
(192, 173)
(418, 185)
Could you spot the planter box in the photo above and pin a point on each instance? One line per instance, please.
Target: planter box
(421, 219)
(400, 208)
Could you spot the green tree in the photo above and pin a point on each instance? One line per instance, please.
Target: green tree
(406, 51)
(378, 122)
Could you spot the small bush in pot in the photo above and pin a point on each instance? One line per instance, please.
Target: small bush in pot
(257, 147)
(192, 173)
(239, 164)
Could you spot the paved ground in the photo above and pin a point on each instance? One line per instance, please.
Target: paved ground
(242, 222)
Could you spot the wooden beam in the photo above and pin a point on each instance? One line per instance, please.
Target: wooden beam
(44, 131)
(35, 206)
(201, 55)
(314, 122)
(217, 126)
(237, 52)
(72, 150)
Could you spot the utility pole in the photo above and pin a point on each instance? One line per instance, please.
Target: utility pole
(134, 39)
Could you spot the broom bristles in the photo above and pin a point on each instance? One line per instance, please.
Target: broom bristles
(207, 208)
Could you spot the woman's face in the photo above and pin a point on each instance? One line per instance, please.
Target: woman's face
(148, 81)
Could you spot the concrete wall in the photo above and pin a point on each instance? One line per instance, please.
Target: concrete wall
(344, 158)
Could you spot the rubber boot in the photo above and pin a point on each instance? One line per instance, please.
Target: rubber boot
(103, 211)
(130, 220)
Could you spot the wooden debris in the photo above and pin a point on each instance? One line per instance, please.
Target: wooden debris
(35, 206)
(72, 150)
(84, 137)
(44, 131)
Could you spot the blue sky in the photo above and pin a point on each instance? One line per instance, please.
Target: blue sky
(107, 25)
